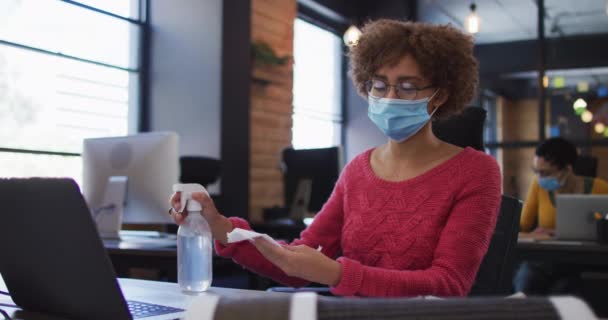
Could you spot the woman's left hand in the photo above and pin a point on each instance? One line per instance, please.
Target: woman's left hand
(301, 261)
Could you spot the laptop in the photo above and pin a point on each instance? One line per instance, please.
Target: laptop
(52, 259)
(575, 216)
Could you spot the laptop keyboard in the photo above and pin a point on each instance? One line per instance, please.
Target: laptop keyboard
(142, 309)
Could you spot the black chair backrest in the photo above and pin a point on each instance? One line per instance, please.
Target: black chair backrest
(197, 169)
(496, 270)
(322, 166)
(586, 166)
(463, 130)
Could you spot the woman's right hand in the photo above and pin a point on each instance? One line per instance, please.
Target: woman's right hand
(209, 211)
(219, 224)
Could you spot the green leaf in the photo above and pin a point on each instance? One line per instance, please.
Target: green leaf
(263, 54)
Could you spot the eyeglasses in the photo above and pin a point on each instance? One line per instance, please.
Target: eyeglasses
(404, 90)
(545, 173)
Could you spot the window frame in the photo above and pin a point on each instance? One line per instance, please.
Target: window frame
(141, 70)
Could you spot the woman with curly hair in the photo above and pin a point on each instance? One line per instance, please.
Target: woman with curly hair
(553, 166)
(411, 217)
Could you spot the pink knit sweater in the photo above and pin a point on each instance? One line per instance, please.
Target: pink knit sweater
(422, 236)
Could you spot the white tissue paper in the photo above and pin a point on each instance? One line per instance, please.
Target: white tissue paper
(238, 234)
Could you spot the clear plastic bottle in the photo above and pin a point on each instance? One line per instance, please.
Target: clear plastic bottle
(194, 246)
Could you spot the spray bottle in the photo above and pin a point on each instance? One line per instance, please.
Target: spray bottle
(194, 247)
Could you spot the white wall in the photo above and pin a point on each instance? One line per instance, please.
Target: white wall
(361, 134)
(185, 72)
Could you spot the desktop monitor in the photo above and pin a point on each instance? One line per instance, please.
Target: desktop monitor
(309, 178)
(150, 161)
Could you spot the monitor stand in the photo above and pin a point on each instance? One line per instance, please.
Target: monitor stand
(301, 199)
(108, 216)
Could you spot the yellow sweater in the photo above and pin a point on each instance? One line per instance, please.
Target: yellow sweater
(539, 205)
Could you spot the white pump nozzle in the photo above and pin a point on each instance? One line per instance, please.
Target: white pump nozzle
(187, 189)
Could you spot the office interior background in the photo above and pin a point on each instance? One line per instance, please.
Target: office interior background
(75, 70)
(241, 80)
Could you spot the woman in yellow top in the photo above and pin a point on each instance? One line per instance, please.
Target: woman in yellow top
(553, 166)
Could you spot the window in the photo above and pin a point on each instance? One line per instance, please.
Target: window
(68, 71)
(317, 87)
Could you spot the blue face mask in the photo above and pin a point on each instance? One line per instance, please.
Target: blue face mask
(549, 183)
(399, 119)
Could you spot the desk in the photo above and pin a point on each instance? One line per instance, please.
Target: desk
(591, 257)
(234, 303)
(570, 252)
(163, 293)
(160, 253)
(144, 252)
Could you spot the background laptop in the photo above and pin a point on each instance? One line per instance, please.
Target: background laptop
(52, 259)
(574, 217)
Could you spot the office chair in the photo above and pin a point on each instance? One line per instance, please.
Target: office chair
(586, 166)
(464, 129)
(495, 273)
(497, 267)
(197, 169)
(309, 176)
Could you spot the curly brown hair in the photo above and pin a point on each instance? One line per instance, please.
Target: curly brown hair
(443, 53)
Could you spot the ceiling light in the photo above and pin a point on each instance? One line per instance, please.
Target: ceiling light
(472, 21)
(580, 103)
(587, 116)
(599, 127)
(351, 36)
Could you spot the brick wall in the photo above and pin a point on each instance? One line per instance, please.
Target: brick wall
(271, 103)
